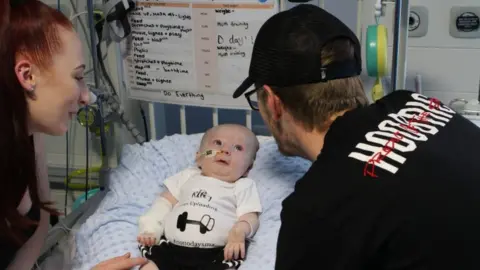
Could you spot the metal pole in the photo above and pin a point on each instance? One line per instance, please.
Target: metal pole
(400, 44)
(93, 39)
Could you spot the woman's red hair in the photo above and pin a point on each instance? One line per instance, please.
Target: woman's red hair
(29, 28)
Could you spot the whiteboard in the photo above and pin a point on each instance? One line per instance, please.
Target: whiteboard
(192, 52)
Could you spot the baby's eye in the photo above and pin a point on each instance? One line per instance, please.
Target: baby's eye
(217, 142)
(238, 147)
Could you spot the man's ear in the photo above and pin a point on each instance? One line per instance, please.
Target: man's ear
(24, 72)
(273, 103)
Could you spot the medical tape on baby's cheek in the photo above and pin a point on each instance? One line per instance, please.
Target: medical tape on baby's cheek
(211, 153)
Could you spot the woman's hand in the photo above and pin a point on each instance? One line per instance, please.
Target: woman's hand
(120, 263)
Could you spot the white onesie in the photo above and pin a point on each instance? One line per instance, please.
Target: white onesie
(207, 208)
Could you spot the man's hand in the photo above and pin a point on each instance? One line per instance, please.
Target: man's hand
(235, 248)
(147, 239)
(120, 263)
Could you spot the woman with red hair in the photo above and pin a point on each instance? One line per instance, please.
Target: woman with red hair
(41, 88)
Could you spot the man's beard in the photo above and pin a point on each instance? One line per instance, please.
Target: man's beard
(286, 144)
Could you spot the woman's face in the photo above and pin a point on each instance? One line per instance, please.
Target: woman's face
(59, 90)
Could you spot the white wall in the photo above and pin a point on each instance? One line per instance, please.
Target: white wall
(450, 67)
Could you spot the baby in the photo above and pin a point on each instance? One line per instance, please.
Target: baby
(206, 213)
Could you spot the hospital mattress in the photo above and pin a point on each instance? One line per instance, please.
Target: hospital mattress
(111, 231)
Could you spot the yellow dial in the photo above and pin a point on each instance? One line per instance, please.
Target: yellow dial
(86, 117)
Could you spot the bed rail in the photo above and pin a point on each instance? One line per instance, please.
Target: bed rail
(183, 119)
(64, 226)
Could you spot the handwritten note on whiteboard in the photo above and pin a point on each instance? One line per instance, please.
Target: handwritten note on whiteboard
(193, 52)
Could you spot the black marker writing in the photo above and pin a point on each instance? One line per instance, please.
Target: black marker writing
(237, 24)
(224, 11)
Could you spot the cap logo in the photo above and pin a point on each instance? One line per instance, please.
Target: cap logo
(324, 73)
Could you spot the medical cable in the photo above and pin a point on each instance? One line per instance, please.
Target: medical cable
(87, 161)
(67, 158)
(111, 99)
(104, 70)
(145, 125)
(75, 16)
(120, 111)
(418, 84)
(66, 174)
(478, 89)
(82, 25)
(60, 226)
(128, 124)
(99, 27)
(116, 107)
(67, 182)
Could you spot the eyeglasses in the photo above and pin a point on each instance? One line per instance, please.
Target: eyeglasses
(252, 98)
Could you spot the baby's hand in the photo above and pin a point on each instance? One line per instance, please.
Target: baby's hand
(147, 239)
(150, 230)
(235, 248)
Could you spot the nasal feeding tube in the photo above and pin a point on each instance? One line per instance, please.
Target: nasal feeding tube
(211, 153)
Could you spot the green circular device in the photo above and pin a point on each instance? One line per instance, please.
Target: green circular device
(376, 50)
(86, 116)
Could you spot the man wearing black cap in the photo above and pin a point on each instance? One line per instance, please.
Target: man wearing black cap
(393, 185)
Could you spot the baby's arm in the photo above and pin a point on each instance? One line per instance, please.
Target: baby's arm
(151, 224)
(248, 211)
(246, 226)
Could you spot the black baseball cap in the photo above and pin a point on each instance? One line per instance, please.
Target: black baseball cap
(287, 49)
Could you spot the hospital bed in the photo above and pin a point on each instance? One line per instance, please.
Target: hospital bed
(108, 226)
(105, 225)
(111, 230)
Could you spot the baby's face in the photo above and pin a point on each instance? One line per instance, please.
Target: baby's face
(238, 147)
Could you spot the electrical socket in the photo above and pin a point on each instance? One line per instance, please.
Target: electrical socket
(465, 22)
(418, 21)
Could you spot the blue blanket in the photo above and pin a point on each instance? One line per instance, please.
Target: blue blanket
(111, 231)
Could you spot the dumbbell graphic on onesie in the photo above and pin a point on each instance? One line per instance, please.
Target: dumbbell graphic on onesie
(206, 224)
